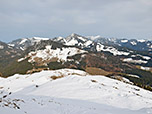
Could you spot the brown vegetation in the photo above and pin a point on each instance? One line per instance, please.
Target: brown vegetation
(56, 77)
(35, 70)
(96, 71)
(1, 74)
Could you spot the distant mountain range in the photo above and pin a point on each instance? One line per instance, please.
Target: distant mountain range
(96, 55)
(78, 40)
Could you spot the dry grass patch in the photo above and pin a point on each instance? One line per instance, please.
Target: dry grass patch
(35, 70)
(54, 59)
(96, 71)
(56, 77)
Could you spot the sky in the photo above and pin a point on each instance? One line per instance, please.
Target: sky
(53, 18)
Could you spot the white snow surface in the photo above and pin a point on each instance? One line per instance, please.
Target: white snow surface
(132, 75)
(23, 40)
(48, 54)
(142, 40)
(146, 57)
(73, 93)
(89, 42)
(72, 42)
(12, 45)
(81, 38)
(145, 68)
(33, 40)
(133, 43)
(1, 47)
(124, 41)
(112, 50)
(134, 61)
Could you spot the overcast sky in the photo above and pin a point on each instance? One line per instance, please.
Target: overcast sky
(50, 18)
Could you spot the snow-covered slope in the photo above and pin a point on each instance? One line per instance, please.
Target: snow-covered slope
(114, 51)
(26, 42)
(48, 54)
(71, 92)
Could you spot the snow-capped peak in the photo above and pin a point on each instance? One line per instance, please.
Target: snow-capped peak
(75, 39)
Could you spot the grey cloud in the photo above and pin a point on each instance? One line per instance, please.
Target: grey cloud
(50, 18)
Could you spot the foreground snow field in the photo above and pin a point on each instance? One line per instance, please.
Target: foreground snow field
(69, 91)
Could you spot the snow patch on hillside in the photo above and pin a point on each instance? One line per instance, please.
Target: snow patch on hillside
(72, 42)
(141, 40)
(112, 50)
(124, 41)
(23, 41)
(133, 43)
(145, 68)
(89, 42)
(1, 47)
(48, 53)
(134, 61)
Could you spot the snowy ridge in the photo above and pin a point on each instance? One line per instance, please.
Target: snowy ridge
(26, 42)
(140, 45)
(73, 92)
(83, 42)
(74, 40)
